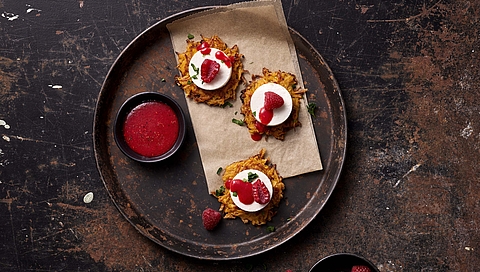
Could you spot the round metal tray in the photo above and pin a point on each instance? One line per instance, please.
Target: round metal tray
(164, 201)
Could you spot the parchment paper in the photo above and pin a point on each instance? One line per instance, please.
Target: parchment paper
(260, 30)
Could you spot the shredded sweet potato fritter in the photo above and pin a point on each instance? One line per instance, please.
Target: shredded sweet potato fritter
(288, 81)
(211, 97)
(257, 162)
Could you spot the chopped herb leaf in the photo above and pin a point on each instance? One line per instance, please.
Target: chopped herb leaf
(227, 104)
(270, 228)
(311, 108)
(252, 176)
(254, 114)
(189, 82)
(220, 191)
(190, 36)
(238, 122)
(294, 86)
(234, 194)
(195, 68)
(195, 76)
(219, 170)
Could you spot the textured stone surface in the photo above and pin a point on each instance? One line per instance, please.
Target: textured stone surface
(408, 198)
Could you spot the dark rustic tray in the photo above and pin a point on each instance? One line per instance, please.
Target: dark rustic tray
(164, 201)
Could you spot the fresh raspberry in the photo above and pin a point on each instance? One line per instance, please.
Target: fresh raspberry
(360, 268)
(272, 101)
(209, 70)
(260, 192)
(210, 218)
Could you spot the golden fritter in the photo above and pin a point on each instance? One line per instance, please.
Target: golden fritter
(289, 82)
(260, 163)
(216, 97)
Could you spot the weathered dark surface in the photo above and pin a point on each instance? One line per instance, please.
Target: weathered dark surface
(409, 196)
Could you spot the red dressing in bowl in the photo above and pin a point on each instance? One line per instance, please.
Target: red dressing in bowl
(151, 129)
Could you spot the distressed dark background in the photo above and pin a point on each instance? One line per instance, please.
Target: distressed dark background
(409, 196)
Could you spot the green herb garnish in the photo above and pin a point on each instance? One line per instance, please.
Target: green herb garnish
(252, 176)
(190, 36)
(238, 122)
(219, 170)
(254, 114)
(234, 194)
(270, 228)
(195, 68)
(227, 104)
(311, 108)
(220, 191)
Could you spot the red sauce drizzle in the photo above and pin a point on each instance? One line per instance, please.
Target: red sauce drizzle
(243, 189)
(265, 116)
(223, 57)
(151, 129)
(204, 48)
(256, 136)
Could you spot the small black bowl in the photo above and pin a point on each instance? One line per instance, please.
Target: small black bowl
(127, 107)
(342, 262)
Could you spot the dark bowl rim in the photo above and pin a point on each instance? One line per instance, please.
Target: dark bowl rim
(346, 254)
(135, 100)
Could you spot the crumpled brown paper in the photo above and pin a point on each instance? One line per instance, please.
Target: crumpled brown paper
(259, 29)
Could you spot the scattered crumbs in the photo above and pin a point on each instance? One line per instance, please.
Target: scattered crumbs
(56, 86)
(88, 197)
(6, 138)
(467, 248)
(467, 131)
(10, 16)
(163, 80)
(4, 124)
(30, 9)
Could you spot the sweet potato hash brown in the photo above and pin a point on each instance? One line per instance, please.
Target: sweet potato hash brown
(216, 97)
(288, 81)
(260, 163)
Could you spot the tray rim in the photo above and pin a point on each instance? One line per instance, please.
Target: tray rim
(336, 176)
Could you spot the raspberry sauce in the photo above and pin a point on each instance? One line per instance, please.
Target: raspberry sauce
(151, 129)
(243, 189)
(265, 116)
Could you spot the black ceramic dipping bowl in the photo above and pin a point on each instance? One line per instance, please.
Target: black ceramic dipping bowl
(127, 107)
(342, 262)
